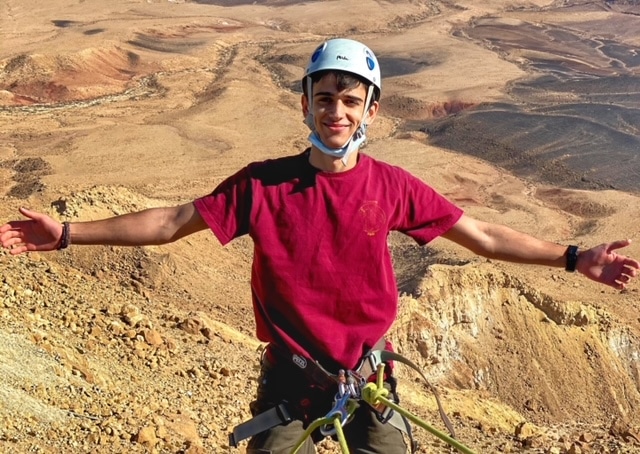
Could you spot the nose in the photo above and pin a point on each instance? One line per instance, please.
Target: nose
(337, 109)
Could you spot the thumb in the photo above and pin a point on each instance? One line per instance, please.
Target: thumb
(617, 245)
(34, 215)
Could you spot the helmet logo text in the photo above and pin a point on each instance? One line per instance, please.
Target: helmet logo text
(299, 361)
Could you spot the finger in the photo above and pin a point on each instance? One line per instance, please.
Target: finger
(32, 215)
(618, 285)
(631, 263)
(625, 279)
(27, 212)
(12, 242)
(617, 245)
(13, 226)
(13, 233)
(18, 250)
(7, 238)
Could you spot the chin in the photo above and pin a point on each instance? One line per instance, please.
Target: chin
(335, 143)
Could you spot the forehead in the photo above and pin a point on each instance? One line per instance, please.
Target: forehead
(329, 84)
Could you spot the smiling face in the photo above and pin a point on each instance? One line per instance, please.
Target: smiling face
(338, 110)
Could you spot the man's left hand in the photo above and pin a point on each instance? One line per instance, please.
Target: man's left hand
(603, 264)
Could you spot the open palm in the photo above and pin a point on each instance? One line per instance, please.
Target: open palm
(39, 233)
(602, 264)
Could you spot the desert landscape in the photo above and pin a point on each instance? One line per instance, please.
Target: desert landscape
(525, 113)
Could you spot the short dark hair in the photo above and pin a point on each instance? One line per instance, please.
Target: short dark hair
(344, 80)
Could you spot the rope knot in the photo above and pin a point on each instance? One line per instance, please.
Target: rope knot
(372, 394)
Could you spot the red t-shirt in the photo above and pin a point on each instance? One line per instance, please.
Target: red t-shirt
(322, 278)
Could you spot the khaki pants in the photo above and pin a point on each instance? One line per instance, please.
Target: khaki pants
(364, 433)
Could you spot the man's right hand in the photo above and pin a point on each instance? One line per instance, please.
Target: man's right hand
(39, 233)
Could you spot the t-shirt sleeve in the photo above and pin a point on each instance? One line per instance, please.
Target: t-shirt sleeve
(425, 214)
(227, 209)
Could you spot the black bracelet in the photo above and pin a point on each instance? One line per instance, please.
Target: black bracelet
(64, 240)
(572, 258)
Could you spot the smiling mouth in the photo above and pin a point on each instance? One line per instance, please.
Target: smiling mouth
(337, 126)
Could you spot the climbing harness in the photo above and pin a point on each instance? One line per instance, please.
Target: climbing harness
(374, 394)
(353, 387)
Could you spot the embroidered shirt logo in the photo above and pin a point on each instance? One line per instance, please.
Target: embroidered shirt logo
(373, 216)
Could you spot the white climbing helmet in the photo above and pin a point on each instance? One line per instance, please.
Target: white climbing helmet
(345, 55)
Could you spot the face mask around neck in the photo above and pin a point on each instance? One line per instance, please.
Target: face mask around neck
(354, 143)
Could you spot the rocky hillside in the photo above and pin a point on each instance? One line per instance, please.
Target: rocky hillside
(113, 350)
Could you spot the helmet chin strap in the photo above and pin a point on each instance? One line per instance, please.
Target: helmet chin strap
(355, 141)
(347, 150)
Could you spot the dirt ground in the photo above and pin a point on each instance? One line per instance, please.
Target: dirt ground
(109, 107)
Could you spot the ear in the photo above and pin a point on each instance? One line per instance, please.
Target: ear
(372, 112)
(305, 105)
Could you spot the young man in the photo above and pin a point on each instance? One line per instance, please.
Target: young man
(322, 280)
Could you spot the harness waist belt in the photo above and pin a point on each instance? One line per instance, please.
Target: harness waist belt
(321, 377)
(259, 423)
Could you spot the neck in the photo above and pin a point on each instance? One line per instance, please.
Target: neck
(327, 163)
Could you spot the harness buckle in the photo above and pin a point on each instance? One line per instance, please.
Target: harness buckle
(383, 415)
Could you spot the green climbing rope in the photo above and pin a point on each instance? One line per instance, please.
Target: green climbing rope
(374, 394)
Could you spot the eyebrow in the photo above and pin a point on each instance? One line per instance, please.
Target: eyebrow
(330, 94)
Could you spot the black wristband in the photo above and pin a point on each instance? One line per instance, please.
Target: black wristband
(572, 258)
(64, 240)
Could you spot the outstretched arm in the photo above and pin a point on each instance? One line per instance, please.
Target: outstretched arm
(153, 226)
(601, 263)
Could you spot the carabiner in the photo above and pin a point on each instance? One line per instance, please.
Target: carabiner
(339, 410)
